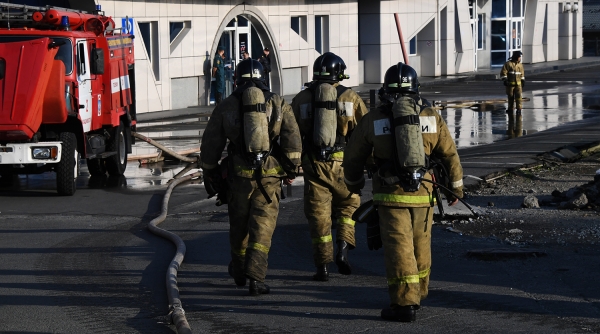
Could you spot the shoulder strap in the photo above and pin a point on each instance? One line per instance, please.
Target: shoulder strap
(340, 90)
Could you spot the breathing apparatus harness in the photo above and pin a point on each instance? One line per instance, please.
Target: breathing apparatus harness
(410, 178)
(254, 160)
(323, 153)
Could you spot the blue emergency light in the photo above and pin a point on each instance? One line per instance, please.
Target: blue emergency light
(64, 23)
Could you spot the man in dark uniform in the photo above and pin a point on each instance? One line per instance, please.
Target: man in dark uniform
(265, 61)
(218, 73)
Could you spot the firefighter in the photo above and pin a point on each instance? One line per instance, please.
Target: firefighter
(219, 75)
(324, 189)
(399, 131)
(513, 77)
(264, 150)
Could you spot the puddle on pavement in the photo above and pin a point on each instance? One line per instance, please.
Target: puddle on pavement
(476, 123)
(485, 123)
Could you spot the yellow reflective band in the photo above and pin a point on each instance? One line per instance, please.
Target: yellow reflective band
(393, 85)
(404, 84)
(250, 172)
(338, 155)
(294, 155)
(322, 240)
(259, 247)
(348, 221)
(240, 252)
(410, 279)
(426, 199)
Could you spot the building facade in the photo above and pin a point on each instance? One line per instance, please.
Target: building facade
(176, 40)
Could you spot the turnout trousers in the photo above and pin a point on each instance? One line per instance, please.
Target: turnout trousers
(406, 236)
(515, 96)
(252, 223)
(325, 192)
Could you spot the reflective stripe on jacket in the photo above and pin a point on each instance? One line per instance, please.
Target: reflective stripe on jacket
(373, 134)
(513, 72)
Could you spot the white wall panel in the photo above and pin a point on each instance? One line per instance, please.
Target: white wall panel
(138, 9)
(174, 9)
(152, 9)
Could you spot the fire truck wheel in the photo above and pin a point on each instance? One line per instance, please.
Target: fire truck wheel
(67, 169)
(96, 167)
(116, 164)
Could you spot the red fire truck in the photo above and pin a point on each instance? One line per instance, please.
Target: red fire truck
(66, 92)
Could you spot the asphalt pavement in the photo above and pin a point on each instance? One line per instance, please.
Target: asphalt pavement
(87, 264)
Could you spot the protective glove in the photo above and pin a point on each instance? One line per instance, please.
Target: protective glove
(504, 82)
(456, 193)
(522, 83)
(212, 181)
(374, 234)
(355, 188)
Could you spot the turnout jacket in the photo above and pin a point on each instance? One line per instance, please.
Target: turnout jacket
(351, 107)
(226, 123)
(374, 135)
(513, 72)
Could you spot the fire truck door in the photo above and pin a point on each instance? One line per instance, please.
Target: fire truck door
(85, 84)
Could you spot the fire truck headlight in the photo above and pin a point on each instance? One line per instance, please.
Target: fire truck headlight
(47, 153)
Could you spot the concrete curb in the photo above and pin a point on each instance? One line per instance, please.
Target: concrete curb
(584, 150)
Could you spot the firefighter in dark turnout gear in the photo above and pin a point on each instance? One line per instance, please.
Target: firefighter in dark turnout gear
(327, 113)
(513, 76)
(405, 207)
(264, 149)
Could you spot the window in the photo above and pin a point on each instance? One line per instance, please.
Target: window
(298, 24)
(480, 31)
(321, 33)
(174, 29)
(149, 32)
(81, 66)
(498, 8)
(412, 49)
(177, 31)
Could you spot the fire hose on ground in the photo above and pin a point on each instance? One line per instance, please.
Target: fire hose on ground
(176, 311)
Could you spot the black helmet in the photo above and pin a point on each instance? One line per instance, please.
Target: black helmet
(329, 66)
(401, 78)
(516, 55)
(249, 70)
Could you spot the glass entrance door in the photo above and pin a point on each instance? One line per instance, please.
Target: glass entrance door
(516, 29)
(507, 29)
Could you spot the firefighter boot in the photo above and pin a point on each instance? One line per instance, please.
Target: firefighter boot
(400, 313)
(258, 288)
(341, 259)
(240, 280)
(322, 274)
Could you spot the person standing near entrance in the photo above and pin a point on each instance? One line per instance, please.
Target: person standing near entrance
(265, 61)
(513, 76)
(218, 73)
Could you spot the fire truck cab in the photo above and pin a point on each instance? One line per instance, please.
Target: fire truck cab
(66, 92)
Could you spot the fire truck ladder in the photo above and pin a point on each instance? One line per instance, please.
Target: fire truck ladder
(15, 13)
